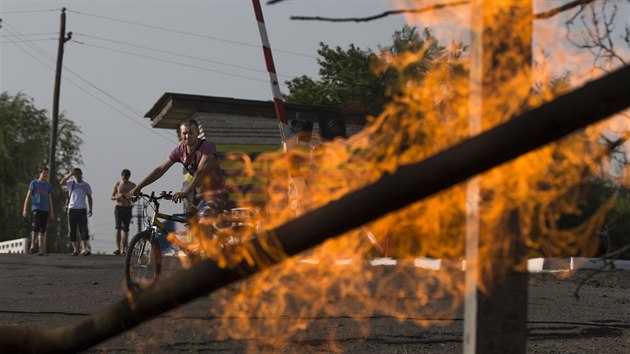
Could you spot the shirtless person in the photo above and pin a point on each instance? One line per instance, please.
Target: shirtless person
(122, 211)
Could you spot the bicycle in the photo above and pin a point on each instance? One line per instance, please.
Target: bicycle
(143, 261)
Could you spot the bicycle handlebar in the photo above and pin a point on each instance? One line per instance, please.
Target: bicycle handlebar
(153, 198)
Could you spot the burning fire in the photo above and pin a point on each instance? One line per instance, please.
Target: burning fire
(523, 200)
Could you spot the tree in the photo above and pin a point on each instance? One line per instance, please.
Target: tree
(346, 80)
(24, 142)
(597, 32)
(361, 79)
(409, 41)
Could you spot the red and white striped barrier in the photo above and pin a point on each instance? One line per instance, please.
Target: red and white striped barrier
(273, 78)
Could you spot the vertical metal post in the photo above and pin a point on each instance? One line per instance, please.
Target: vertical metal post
(273, 78)
(472, 186)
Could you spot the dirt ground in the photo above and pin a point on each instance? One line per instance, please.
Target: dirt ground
(56, 290)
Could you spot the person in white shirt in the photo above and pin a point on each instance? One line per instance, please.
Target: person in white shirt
(78, 212)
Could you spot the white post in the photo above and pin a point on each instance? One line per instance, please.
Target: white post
(472, 188)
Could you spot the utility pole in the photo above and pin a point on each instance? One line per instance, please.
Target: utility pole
(63, 38)
(55, 111)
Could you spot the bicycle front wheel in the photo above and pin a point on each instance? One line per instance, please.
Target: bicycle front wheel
(143, 262)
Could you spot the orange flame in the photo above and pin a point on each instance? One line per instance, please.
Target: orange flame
(522, 200)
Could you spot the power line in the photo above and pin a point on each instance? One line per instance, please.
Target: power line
(22, 39)
(11, 38)
(43, 53)
(27, 11)
(175, 54)
(32, 40)
(130, 117)
(127, 106)
(26, 42)
(170, 61)
(171, 53)
(189, 33)
(50, 58)
(30, 34)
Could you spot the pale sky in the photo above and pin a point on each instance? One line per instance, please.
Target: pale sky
(121, 59)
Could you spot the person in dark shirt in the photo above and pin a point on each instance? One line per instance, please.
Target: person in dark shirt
(39, 193)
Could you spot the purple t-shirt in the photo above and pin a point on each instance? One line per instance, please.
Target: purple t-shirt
(191, 162)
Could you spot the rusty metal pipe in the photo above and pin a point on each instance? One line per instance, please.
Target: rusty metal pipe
(584, 106)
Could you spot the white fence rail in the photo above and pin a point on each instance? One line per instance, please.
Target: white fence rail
(534, 265)
(18, 245)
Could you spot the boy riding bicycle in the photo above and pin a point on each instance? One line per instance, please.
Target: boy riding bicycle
(200, 159)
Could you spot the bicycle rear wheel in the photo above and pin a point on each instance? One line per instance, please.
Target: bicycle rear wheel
(143, 262)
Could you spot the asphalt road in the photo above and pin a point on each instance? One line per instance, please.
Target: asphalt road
(56, 290)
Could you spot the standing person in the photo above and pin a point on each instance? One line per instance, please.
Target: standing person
(40, 194)
(200, 159)
(122, 210)
(78, 211)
